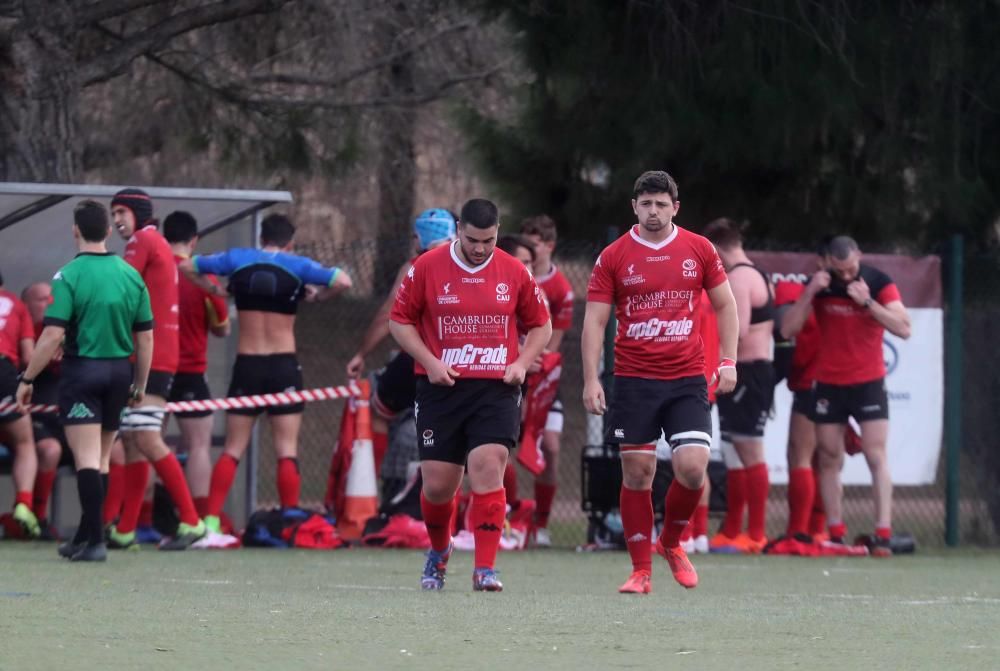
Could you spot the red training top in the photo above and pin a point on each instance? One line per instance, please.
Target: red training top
(199, 311)
(467, 315)
(15, 326)
(148, 252)
(850, 338)
(560, 296)
(656, 290)
(805, 356)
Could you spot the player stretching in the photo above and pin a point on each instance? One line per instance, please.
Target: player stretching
(148, 252)
(654, 276)
(99, 304)
(268, 284)
(854, 305)
(456, 313)
(541, 231)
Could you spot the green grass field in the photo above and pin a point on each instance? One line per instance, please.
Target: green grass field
(362, 609)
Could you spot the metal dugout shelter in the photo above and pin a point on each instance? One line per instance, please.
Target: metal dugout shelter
(36, 240)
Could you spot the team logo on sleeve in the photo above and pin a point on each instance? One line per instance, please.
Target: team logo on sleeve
(690, 268)
(503, 293)
(409, 273)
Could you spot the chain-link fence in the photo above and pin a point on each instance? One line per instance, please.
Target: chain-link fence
(329, 334)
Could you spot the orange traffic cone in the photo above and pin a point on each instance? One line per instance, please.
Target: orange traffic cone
(361, 498)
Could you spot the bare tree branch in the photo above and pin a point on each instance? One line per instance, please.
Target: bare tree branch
(111, 62)
(100, 11)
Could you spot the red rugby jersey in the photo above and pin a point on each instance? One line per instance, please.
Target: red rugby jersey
(199, 311)
(710, 339)
(850, 337)
(149, 253)
(15, 326)
(560, 296)
(656, 290)
(468, 316)
(805, 356)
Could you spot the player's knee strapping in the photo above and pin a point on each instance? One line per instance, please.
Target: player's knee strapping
(146, 418)
(690, 439)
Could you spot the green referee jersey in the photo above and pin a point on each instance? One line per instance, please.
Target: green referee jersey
(100, 300)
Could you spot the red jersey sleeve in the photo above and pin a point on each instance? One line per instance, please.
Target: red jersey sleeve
(137, 253)
(409, 297)
(715, 272)
(561, 304)
(601, 288)
(216, 308)
(786, 292)
(888, 294)
(531, 310)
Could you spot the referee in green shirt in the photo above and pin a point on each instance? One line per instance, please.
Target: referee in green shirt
(98, 303)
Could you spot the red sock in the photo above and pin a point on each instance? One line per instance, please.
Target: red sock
(757, 487)
(23, 497)
(545, 493)
(136, 479)
(680, 505)
(488, 512)
(44, 481)
(380, 444)
(817, 518)
(800, 500)
(700, 521)
(838, 530)
(115, 494)
(172, 476)
(438, 520)
(201, 505)
(884, 532)
(289, 482)
(146, 514)
(510, 483)
(736, 501)
(688, 531)
(637, 521)
(222, 479)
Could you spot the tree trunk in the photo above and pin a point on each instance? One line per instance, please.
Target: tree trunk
(39, 96)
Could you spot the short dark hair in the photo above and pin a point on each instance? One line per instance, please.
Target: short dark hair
(180, 226)
(541, 225)
(509, 243)
(725, 233)
(91, 218)
(276, 229)
(480, 213)
(655, 181)
(841, 247)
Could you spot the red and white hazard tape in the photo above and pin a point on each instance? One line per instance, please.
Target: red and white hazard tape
(233, 403)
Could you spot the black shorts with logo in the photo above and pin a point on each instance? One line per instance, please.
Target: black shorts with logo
(866, 401)
(94, 391)
(452, 421)
(159, 383)
(255, 374)
(8, 387)
(744, 412)
(190, 387)
(46, 392)
(804, 403)
(395, 386)
(641, 408)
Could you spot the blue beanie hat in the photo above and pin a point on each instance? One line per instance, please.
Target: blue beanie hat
(434, 225)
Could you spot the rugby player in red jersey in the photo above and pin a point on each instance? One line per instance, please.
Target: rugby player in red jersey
(653, 276)
(456, 314)
(854, 305)
(148, 252)
(743, 414)
(48, 431)
(201, 313)
(17, 343)
(541, 230)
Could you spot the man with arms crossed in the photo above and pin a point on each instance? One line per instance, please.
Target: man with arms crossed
(456, 314)
(99, 303)
(653, 276)
(854, 305)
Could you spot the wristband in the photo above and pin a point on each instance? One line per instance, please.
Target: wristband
(727, 363)
(868, 302)
(25, 380)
